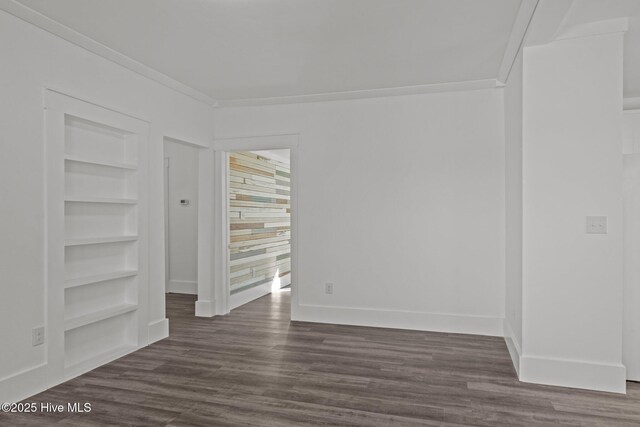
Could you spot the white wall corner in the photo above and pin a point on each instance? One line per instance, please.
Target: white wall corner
(158, 330)
(205, 308)
(417, 321)
(514, 347)
(574, 373)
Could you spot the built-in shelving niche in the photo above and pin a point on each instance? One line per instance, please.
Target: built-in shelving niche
(101, 254)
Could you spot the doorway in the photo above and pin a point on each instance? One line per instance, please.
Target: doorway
(256, 219)
(259, 189)
(181, 218)
(184, 199)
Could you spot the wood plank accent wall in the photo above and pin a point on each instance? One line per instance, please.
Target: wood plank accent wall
(260, 220)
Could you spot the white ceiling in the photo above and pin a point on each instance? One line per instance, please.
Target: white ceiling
(240, 49)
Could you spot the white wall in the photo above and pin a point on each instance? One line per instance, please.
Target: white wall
(34, 60)
(401, 206)
(631, 245)
(182, 220)
(572, 281)
(513, 202)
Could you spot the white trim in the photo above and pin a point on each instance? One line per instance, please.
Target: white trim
(205, 308)
(158, 330)
(630, 104)
(365, 93)
(573, 373)
(609, 26)
(516, 39)
(547, 20)
(47, 24)
(249, 295)
(267, 142)
(184, 142)
(23, 384)
(183, 286)
(396, 319)
(513, 346)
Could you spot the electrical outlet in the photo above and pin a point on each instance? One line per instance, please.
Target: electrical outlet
(328, 288)
(37, 336)
(596, 225)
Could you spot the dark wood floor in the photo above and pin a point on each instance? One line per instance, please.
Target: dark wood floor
(255, 368)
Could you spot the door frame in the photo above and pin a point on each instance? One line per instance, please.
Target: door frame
(205, 201)
(221, 149)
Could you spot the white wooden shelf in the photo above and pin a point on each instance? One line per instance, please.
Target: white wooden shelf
(97, 316)
(97, 278)
(111, 200)
(85, 365)
(116, 165)
(99, 240)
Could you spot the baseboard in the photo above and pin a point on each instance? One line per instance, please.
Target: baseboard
(32, 381)
(182, 287)
(24, 384)
(241, 298)
(513, 346)
(205, 308)
(420, 321)
(158, 330)
(573, 373)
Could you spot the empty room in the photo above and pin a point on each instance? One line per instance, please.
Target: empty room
(320, 212)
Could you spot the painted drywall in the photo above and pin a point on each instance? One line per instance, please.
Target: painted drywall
(259, 222)
(631, 248)
(35, 60)
(182, 219)
(401, 207)
(513, 205)
(572, 167)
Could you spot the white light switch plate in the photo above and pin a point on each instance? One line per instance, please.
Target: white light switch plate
(596, 225)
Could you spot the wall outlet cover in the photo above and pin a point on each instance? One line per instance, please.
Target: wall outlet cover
(596, 225)
(37, 336)
(328, 288)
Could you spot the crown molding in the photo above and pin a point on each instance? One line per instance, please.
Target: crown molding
(547, 21)
(366, 93)
(51, 26)
(516, 39)
(598, 28)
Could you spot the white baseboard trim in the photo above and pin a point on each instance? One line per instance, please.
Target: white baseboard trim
(419, 321)
(513, 346)
(24, 384)
(158, 330)
(573, 373)
(241, 298)
(182, 287)
(205, 308)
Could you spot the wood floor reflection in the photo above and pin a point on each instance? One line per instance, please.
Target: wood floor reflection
(256, 368)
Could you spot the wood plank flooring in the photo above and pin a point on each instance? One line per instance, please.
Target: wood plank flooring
(256, 368)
